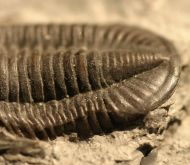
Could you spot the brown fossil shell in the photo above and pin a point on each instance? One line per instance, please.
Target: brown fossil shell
(81, 78)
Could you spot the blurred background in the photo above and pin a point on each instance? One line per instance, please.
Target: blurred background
(22, 11)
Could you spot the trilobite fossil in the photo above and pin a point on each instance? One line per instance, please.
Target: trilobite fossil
(81, 78)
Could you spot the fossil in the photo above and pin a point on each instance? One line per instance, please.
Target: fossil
(88, 79)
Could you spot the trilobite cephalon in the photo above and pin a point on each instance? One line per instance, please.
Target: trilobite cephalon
(81, 78)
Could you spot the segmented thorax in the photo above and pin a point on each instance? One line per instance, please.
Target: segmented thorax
(82, 78)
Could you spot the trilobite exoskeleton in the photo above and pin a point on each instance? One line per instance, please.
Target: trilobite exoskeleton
(81, 78)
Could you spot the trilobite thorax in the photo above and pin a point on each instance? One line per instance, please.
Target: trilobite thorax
(87, 78)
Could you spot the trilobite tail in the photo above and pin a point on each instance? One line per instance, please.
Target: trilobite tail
(171, 67)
